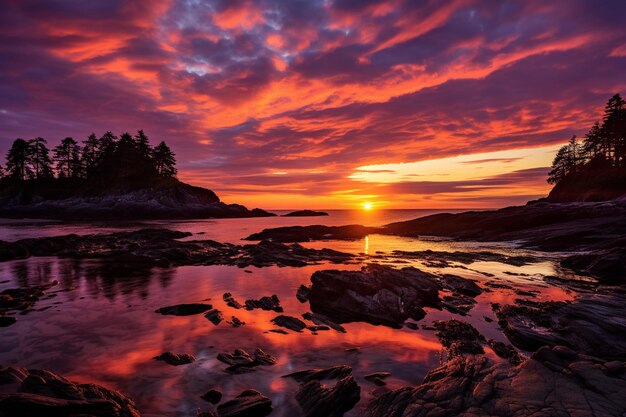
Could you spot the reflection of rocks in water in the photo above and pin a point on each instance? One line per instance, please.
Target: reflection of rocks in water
(20, 299)
(593, 324)
(375, 294)
(554, 382)
(30, 392)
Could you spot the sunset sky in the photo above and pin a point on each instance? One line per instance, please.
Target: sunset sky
(321, 104)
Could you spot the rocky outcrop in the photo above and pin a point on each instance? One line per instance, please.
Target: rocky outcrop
(249, 403)
(20, 300)
(147, 248)
(265, 303)
(317, 232)
(175, 359)
(241, 361)
(335, 372)
(376, 294)
(593, 324)
(318, 400)
(459, 338)
(289, 322)
(31, 392)
(305, 213)
(214, 316)
(555, 381)
(184, 309)
(608, 266)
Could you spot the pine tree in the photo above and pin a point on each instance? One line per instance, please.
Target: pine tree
(613, 127)
(165, 160)
(67, 157)
(40, 158)
(143, 143)
(18, 160)
(559, 166)
(90, 156)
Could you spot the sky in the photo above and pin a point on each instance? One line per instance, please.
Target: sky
(321, 104)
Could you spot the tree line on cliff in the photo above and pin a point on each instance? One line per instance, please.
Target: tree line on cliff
(107, 158)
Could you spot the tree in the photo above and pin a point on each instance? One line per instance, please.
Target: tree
(40, 158)
(143, 143)
(90, 156)
(614, 129)
(164, 160)
(593, 144)
(67, 157)
(18, 160)
(559, 166)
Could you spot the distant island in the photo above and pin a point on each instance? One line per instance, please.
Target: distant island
(109, 177)
(305, 213)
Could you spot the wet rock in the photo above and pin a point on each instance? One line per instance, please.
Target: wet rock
(458, 303)
(235, 322)
(317, 400)
(411, 325)
(303, 293)
(289, 322)
(443, 259)
(249, 403)
(335, 372)
(175, 359)
(317, 232)
(505, 351)
(315, 329)
(230, 301)
(20, 300)
(265, 303)
(593, 324)
(184, 309)
(378, 378)
(322, 320)
(376, 294)
(553, 383)
(30, 392)
(279, 331)
(214, 316)
(608, 266)
(213, 396)
(459, 338)
(242, 361)
(460, 285)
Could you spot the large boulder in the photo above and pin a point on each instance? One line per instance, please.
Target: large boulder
(375, 294)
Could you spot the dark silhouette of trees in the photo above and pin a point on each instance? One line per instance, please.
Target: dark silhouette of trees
(40, 158)
(90, 155)
(18, 160)
(67, 157)
(164, 160)
(603, 149)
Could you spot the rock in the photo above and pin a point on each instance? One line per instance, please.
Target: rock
(213, 396)
(20, 300)
(317, 232)
(305, 213)
(249, 403)
(443, 259)
(175, 359)
(552, 383)
(505, 351)
(214, 316)
(303, 293)
(184, 309)
(458, 303)
(411, 325)
(460, 285)
(315, 329)
(335, 372)
(242, 361)
(608, 266)
(289, 322)
(265, 303)
(230, 301)
(235, 322)
(317, 400)
(322, 320)
(7, 321)
(376, 294)
(31, 392)
(459, 338)
(378, 378)
(593, 324)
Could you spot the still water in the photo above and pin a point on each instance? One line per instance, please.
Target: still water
(102, 328)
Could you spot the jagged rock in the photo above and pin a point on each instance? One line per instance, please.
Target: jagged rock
(376, 294)
(459, 337)
(175, 359)
(235, 322)
(265, 303)
(249, 403)
(214, 316)
(554, 382)
(31, 392)
(242, 361)
(239, 358)
(505, 351)
(303, 293)
(316, 232)
(230, 301)
(289, 322)
(315, 329)
(460, 285)
(335, 372)
(443, 259)
(184, 309)
(213, 396)
(20, 299)
(317, 400)
(608, 266)
(322, 320)
(458, 303)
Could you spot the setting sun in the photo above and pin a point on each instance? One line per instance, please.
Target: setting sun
(367, 206)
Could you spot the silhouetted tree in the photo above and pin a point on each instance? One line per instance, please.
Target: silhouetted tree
(67, 157)
(18, 160)
(90, 155)
(143, 143)
(593, 145)
(614, 129)
(40, 158)
(164, 160)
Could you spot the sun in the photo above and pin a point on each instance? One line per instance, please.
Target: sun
(367, 206)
